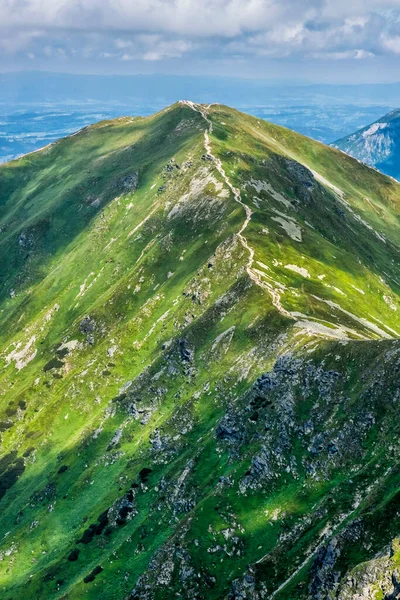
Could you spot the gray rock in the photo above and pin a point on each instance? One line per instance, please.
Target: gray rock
(123, 509)
(186, 352)
(396, 588)
(244, 589)
(229, 429)
(87, 325)
(299, 172)
(129, 183)
(323, 575)
(115, 439)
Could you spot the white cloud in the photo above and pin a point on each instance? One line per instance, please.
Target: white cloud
(172, 49)
(122, 44)
(12, 42)
(127, 56)
(155, 30)
(361, 54)
(345, 55)
(392, 43)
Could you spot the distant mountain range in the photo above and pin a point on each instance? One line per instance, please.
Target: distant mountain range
(37, 108)
(377, 145)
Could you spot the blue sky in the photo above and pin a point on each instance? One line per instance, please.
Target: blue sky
(333, 41)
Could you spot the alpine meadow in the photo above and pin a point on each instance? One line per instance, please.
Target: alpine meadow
(200, 361)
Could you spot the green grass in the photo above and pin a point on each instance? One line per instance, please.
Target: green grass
(158, 269)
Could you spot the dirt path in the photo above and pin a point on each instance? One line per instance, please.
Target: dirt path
(304, 323)
(237, 196)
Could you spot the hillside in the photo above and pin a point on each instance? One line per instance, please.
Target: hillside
(198, 365)
(377, 145)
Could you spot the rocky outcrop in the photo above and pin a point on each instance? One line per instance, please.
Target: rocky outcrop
(244, 589)
(230, 429)
(323, 575)
(377, 578)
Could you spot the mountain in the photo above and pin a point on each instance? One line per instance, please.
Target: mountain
(27, 129)
(199, 365)
(37, 108)
(377, 145)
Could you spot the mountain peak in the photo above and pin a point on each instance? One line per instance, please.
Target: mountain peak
(198, 312)
(377, 145)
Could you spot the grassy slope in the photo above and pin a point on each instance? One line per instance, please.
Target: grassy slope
(153, 266)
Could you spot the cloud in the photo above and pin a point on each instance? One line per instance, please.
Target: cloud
(123, 44)
(345, 55)
(162, 30)
(392, 43)
(12, 42)
(171, 49)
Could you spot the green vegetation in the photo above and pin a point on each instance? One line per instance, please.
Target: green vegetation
(186, 390)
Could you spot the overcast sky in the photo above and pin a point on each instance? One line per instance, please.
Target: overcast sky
(301, 40)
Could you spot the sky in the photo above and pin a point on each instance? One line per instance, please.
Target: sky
(324, 41)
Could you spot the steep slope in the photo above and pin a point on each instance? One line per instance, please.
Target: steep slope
(377, 145)
(199, 358)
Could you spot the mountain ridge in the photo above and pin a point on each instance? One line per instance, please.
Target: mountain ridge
(199, 352)
(376, 144)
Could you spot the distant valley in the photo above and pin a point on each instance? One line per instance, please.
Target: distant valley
(37, 108)
(25, 128)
